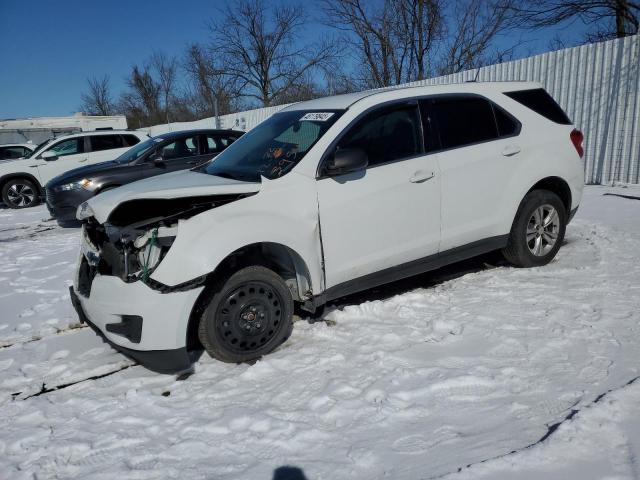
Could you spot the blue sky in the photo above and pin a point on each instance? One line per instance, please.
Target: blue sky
(49, 48)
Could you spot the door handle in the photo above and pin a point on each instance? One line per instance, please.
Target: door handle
(421, 176)
(510, 150)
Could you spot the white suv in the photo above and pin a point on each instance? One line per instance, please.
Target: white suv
(22, 180)
(323, 199)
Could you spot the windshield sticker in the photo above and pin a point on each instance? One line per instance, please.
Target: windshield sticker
(317, 116)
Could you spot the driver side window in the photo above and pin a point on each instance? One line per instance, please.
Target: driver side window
(72, 146)
(386, 135)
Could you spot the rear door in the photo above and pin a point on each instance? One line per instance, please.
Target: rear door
(103, 148)
(177, 154)
(480, 152)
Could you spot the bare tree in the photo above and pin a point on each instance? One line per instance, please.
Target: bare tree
(610, 18)
(393, 40)
(166, 70)
(98, 101)
(473, 27)
(260, 47)
(211, 90)
(143, 97)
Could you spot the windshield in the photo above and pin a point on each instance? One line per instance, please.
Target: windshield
(136, 152)
(274, 147)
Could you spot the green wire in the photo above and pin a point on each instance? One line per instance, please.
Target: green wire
(152, 242)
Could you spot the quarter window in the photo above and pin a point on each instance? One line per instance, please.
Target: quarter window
(386, 135)
(72, 146)
(538, 100)
(105, 142)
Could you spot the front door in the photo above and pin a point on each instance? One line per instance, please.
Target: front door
(388, 214)
(69, 154)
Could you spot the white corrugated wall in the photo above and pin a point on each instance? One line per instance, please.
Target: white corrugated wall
(598, 85)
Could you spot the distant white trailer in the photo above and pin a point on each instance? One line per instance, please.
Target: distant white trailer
(39, 129)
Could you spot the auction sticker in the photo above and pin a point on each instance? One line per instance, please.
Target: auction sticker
(317, 116)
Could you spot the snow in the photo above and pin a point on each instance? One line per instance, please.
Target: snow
(442, 375)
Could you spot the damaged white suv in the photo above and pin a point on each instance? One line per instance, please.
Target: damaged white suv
(323, 199)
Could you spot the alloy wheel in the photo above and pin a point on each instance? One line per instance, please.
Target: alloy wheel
(21, 195)
(542, 230)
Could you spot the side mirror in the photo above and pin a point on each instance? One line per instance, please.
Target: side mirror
(157, 160)
(49, 156)
(346, 160)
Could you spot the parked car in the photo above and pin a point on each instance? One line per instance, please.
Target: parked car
(325, 198)
(22, 180)
(161, 154)
(12, 151)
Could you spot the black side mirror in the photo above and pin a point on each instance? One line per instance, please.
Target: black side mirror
(347, 160)
(157, 160)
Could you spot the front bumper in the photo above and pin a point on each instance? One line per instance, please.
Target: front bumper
(157, 338)
(63, 205)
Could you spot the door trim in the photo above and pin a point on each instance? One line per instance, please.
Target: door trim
(409, 269)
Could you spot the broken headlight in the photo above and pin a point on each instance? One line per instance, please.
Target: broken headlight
(150, 248)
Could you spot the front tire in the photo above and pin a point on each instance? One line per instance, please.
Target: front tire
(248, 317)
(538, 230)
(20, 193)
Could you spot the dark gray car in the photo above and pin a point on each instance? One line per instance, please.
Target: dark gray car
(161, 154)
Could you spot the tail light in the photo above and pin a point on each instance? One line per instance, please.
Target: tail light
(576, 138)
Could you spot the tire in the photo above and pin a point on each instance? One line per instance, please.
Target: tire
(20, 193)
(249, 316)
(536, 234)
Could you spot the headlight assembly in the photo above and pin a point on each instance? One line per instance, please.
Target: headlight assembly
(152, 247)
(84, 211)
(85, 184)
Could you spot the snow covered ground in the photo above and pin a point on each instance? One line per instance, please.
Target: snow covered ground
(457, 374)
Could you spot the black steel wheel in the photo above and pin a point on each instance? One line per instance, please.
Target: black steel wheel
(248, 317)
(20, 193)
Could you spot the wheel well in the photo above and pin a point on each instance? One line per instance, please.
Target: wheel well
(27, 176)
(277, 257)
(558, 186)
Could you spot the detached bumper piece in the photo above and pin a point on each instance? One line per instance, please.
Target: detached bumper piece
(161, 361)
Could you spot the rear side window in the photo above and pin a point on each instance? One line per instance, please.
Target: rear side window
(386, 135)
(105, 142)
(541, 102)
(216, 143)
(181, 148)
(130, 140)
(464, 120)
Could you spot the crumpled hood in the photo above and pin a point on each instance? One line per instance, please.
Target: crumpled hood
(170, 185)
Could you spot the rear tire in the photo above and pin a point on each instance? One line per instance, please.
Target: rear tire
(538, 230)
(249, 316)
(20, 193)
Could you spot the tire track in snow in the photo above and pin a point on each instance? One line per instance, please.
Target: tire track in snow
(551, 430)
